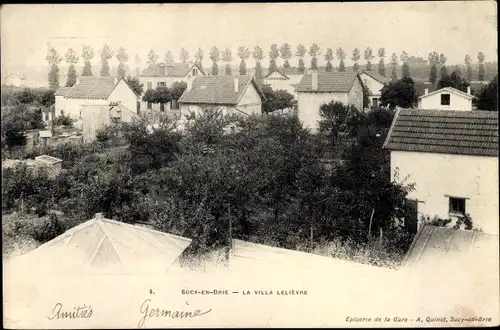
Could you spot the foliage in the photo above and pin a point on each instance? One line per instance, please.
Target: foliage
(13, 127)
(454, 80)
(54, 77)
(400, 93)
(433, 61)
(356, 55)
(328, 58)
(243, 54)
(341, 57)
(199, 57)
(122, 57)
(258, 54)
(71, 76)
(276, 100)
(336, 120)
(106, 54)
(184, 55)
(381, 64)
(169, 58)
(63, 120)
(135, 84)
(314, 51)
(488, 96)
(87, 55)
(480, 58)
(152, 57)
(368, 56)
(468, 61)
(394, 64)
(46, 98)
(286, 54)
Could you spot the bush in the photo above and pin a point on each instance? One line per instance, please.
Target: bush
(46, 229)
(63, 120)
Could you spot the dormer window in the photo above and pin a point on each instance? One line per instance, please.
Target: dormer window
(195, 72)
(162, 70)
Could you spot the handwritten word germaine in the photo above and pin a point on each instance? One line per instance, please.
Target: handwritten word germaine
(148, 311)
(78, 312)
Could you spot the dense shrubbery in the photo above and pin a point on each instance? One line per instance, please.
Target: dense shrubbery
(265, 177)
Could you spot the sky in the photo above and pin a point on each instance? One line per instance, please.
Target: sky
(449, 27)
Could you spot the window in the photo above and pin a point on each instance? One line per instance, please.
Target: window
(150, 85)
(445, 99)
(457, 205)
(195, 72)
(162, 84)
(149, 106)
(375, 101)
(162, 107)
(162, 70)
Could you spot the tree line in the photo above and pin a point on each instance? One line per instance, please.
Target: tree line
(266, 177)
(285, 52)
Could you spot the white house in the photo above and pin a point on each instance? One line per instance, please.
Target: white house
(231, 94)
(452, 158)
(316, 89)
(374, 83)
(163, 74)
(447, 98)
(285, 79)
(94, 91)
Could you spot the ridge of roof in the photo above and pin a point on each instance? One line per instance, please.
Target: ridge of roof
(450, 89)
(328, 82)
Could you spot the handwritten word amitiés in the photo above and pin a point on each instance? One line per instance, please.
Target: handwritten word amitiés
(78, 312)
(149, 311)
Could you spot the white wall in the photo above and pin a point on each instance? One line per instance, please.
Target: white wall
(436, 175)
(308, 105)
(61, 105)
(373, 85)
(433, 102)
(124, 94)
(74, 106)
(250, 102)
(283, 84)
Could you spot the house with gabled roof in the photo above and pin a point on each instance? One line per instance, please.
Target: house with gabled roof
(318, 88)
(231, 94)
(452, 158)
(165, 74)
(373, 82)
(447, 98)
(284, 78)
(90, 90)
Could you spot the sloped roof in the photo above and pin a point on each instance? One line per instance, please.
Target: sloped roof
(285, 71)
(62, 91)
(92, 88)
(445, 131)
(449, 90)
(333, 82)
(435, 245)
(378, 77)
(171, 70)
(218, 90)
(107, 246)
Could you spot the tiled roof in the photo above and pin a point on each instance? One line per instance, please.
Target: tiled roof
(92, 88)
(337, 82)
(286, 71)
(449, 90)
(375, 75)
(172, 70)
(217, 90)
(445, 131)
(433, 245)
(62, 91)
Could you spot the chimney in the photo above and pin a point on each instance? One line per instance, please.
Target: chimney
(426, 91)
(468, 90)
(189, 83)
(98, 216)
(236, 84)
(314, 80)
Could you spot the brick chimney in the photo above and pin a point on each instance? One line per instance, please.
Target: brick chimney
(426, 91)
(468, 90)
(314, 80)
